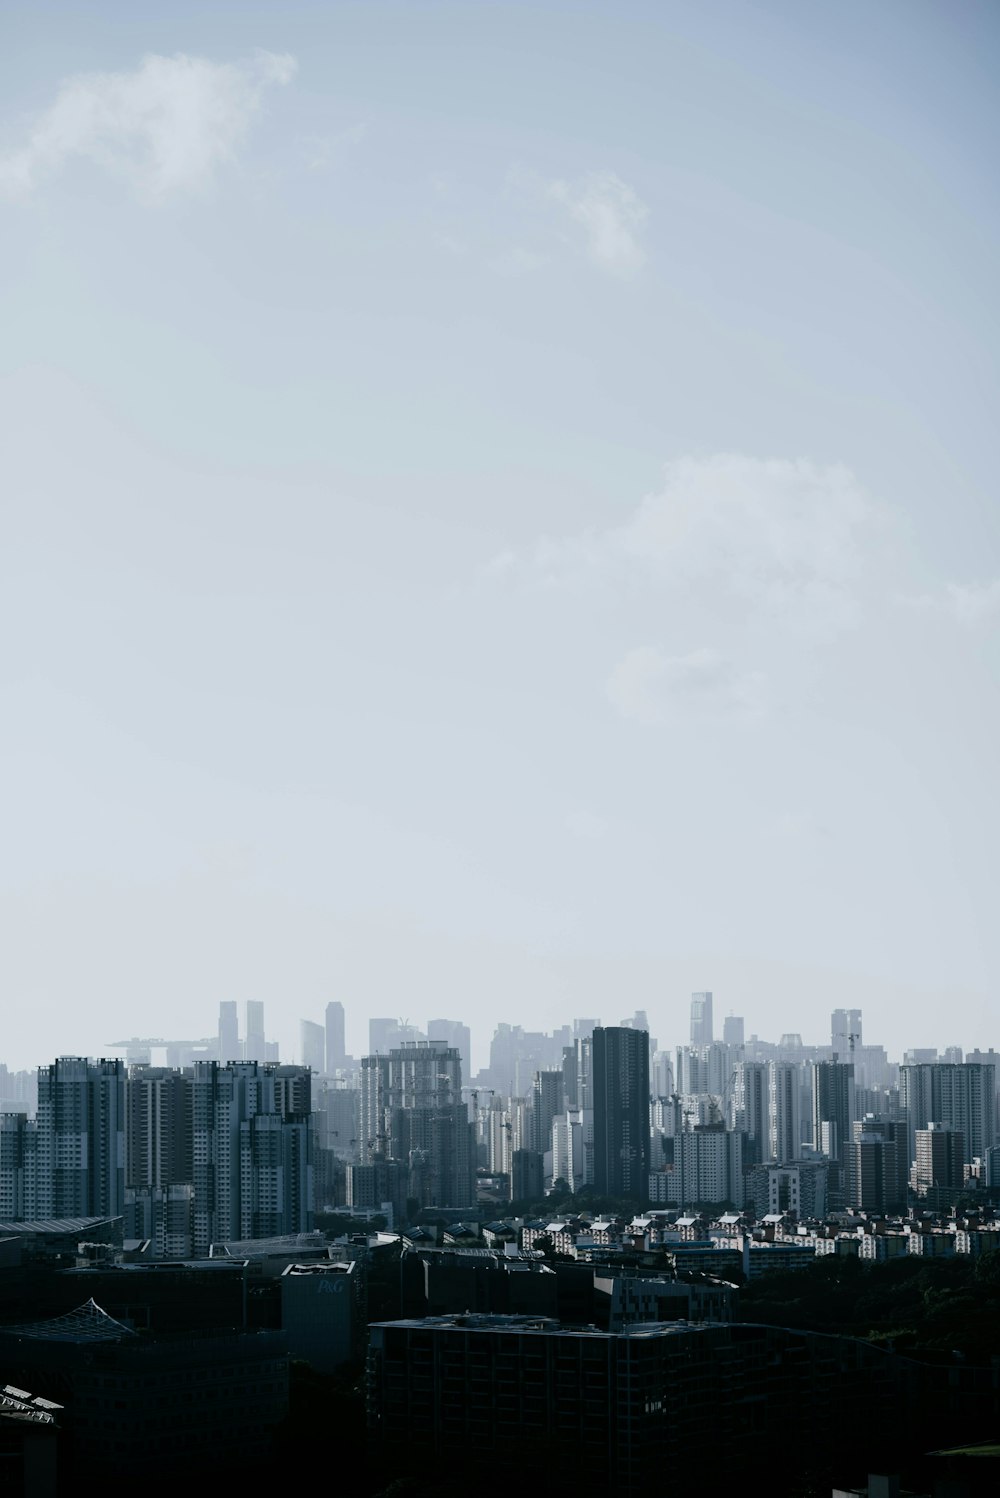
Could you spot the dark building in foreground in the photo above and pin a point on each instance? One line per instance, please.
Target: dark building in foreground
(620, 1061)
(164, 1406)
(498, 1396)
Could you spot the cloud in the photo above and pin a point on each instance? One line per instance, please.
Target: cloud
(970, 604)
(646, 685)
(611, 216)
(166, 127)
(789, 538)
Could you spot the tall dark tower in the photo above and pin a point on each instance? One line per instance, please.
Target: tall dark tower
(620, 1062)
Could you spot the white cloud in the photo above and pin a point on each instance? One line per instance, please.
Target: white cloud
(787, 537)
(646, 685)
(165, 127)
(611, 216)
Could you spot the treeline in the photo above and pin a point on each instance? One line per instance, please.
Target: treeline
(939, 1310)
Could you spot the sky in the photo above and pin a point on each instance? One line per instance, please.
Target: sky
(499, 516)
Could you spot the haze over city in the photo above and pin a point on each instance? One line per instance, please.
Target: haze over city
(499, 517)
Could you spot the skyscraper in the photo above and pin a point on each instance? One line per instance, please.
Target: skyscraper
(833, 1108)
(959, 1095)
(229, 1032)
(81, 1138)
(620, 1061)
(158, 1140)
(312, 1045)
(412, 1111)
(750, 1112)
(845, 1033)
(732, 1030)
(255, 1045)
(336, 1049)
(784, 1113)
(454, 1033)
(252, 1151)
(701, 1019)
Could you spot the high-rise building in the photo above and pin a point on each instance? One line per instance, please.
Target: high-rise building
(845, 1033)
(708, 1165)
(255, 1046)
(872, 1183)
(784, 1111)
(454, 1033)
(412, 1111)
(312, 1046)
(939, 1156)
(732, 1030)
(158, 1127)
(750, 1110)
(832, 1108)
(876, 1179)
(961, 1095)
(80, 1163)
(336, 1046)
(252, 1145)
(18, 1140)
(547, 1100)
(621, 1111)
(701, 1019)
(229, 1032)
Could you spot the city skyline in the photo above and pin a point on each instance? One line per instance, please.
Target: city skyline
(499, 512)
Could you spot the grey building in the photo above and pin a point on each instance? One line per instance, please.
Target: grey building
(620, 1059)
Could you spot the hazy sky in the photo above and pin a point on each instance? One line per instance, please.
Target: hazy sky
(499, 515)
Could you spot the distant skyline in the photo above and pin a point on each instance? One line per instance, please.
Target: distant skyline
(499, 516)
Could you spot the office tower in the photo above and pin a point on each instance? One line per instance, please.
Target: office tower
(455, 1034)
(701, 1019)
(784, 1111)
(962, 1096)
(547, 1099)
(577, 1072)
(412, 1110)
(621, 1111)
(832, 1107)
(18, 1141)
(252, 1151)
(873, 1183)
(312, 1046)
(229, 1032)
(661, 1078)
(845, 1033)
(255, 1046)
(732, 1030)
(336, 1046)
(573, 1148)
(750, 1108)
(81, 1138)
(158, 1121)
(939, 1156)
